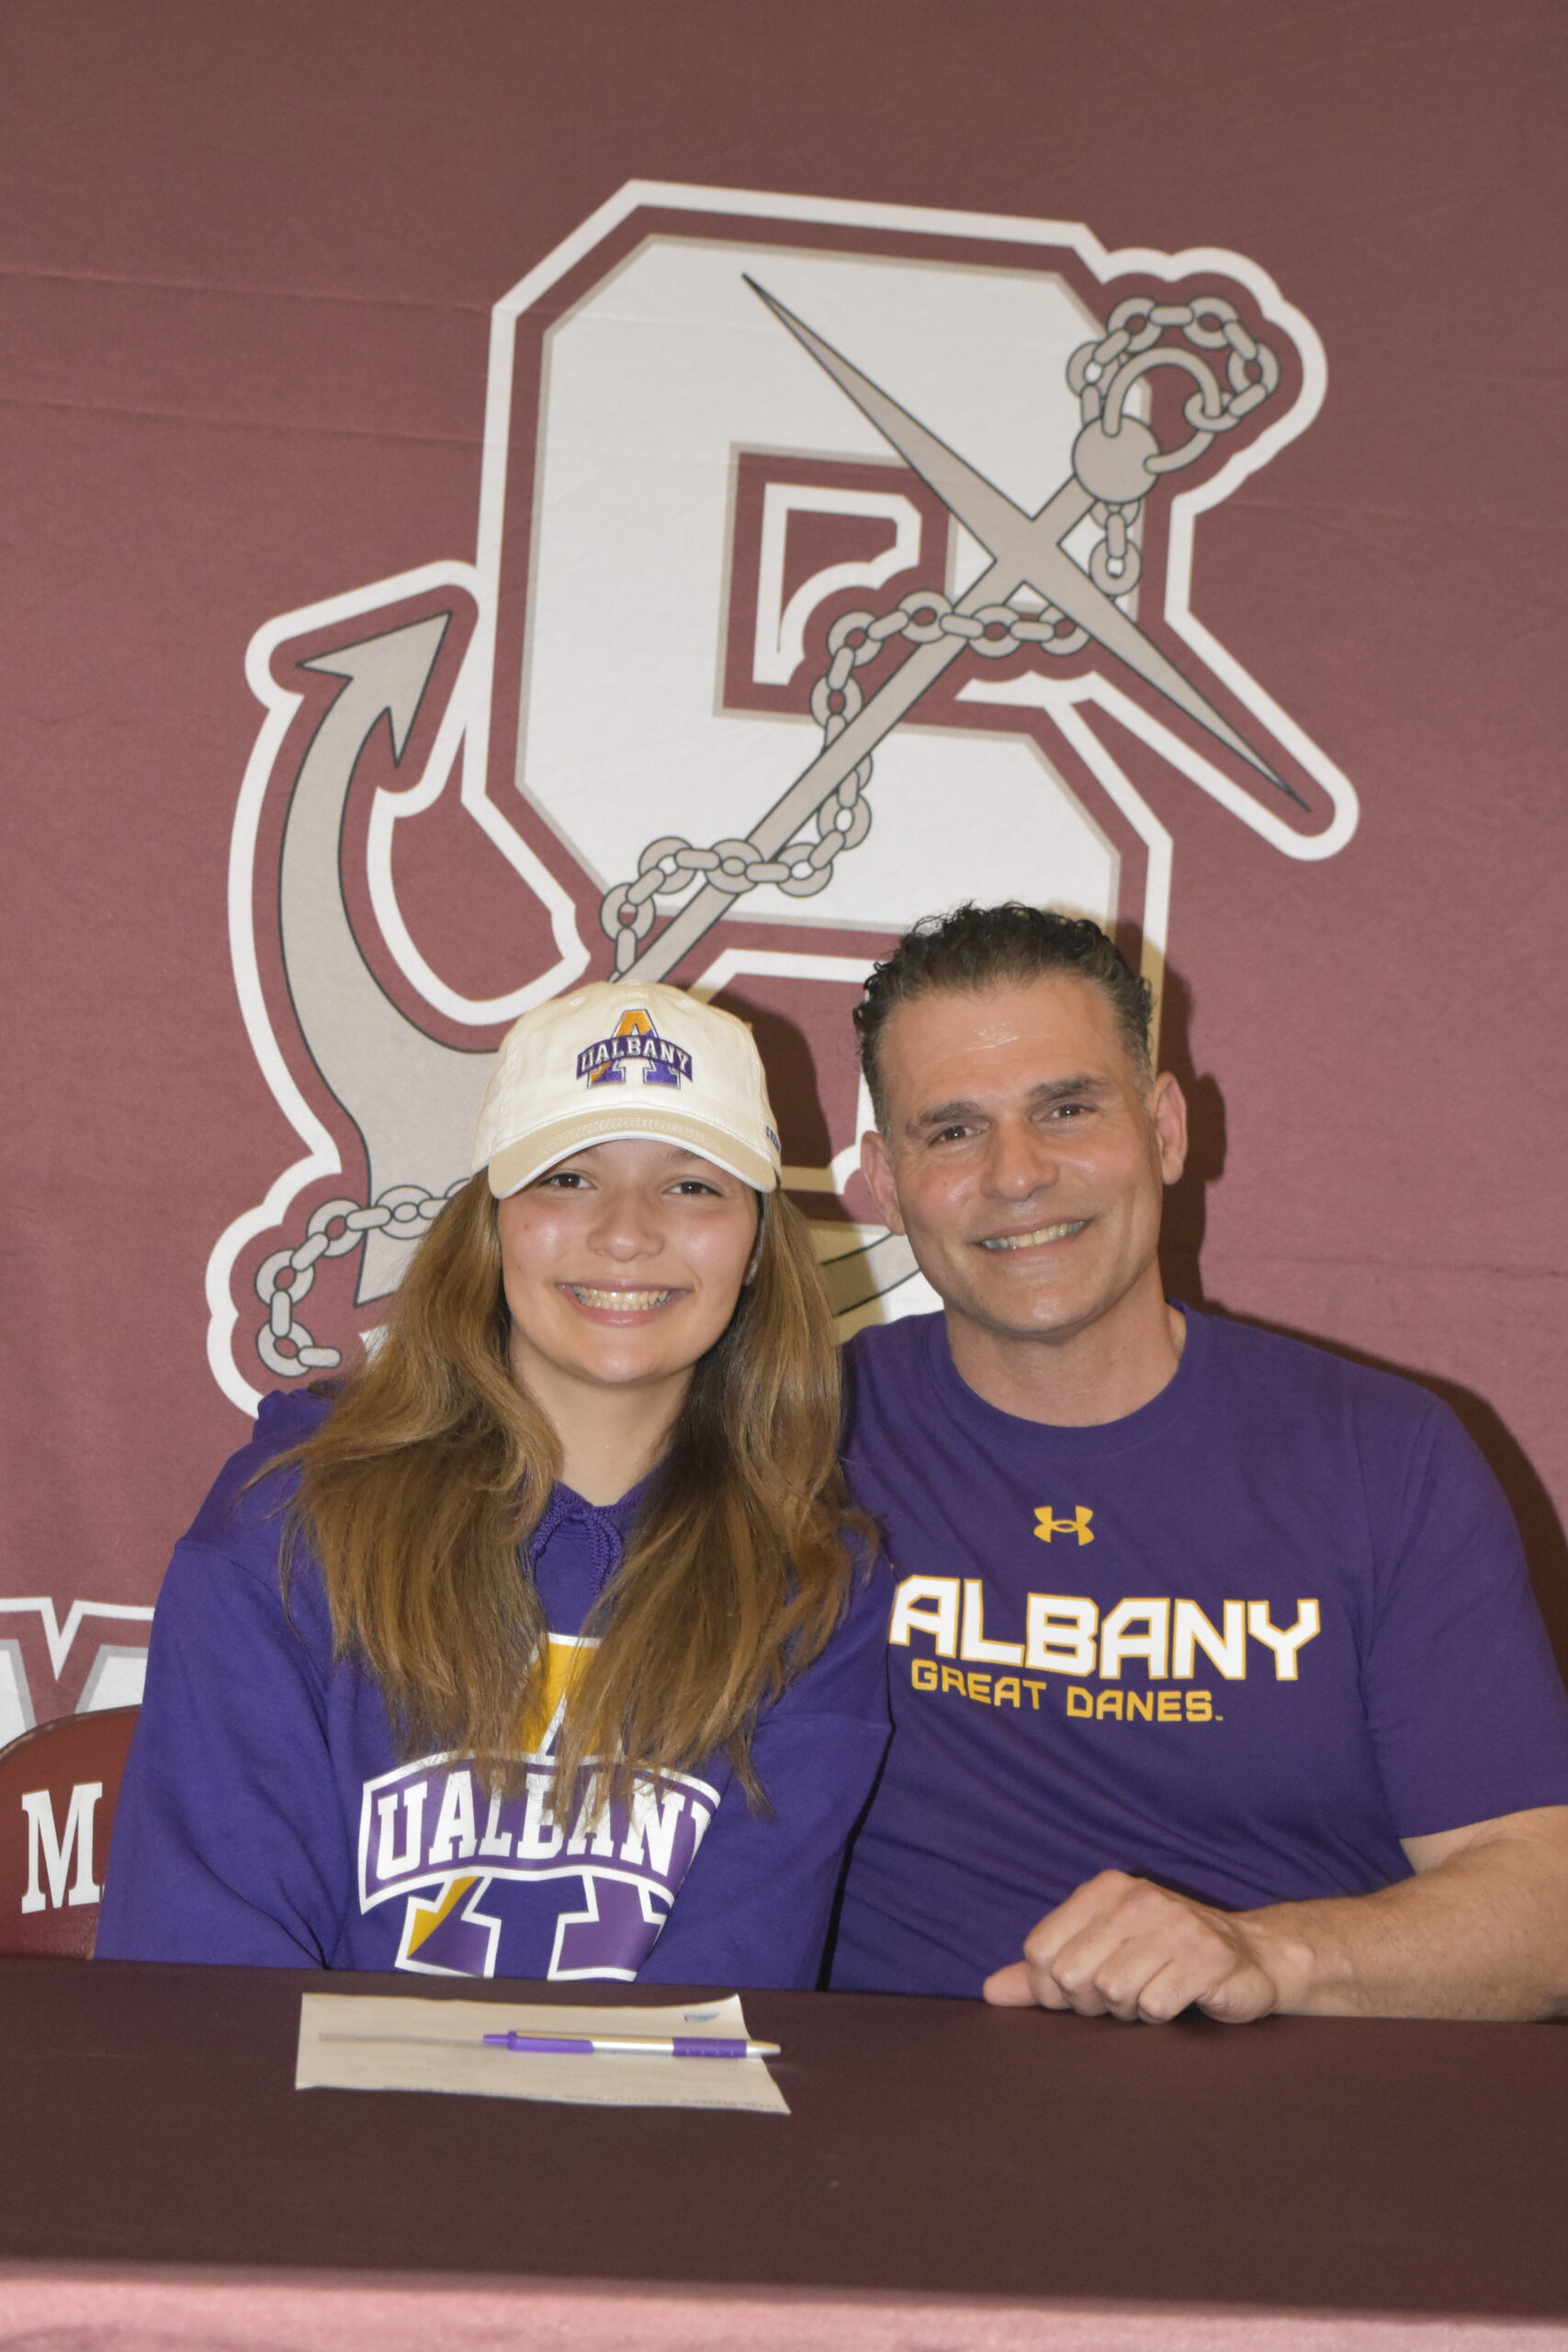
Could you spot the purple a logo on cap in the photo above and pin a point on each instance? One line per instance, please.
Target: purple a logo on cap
(636, 1040)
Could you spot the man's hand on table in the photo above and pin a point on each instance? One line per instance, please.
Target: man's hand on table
(1120, 1947)
(1479, 1929)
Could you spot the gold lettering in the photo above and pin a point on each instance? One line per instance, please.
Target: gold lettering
(1140, 1706)
(1109, 1703)
(1191, 1628)
(975, 1647)
(952, 1679)
(1079, 1699)
(1170, 1706)
(1060, 1628)
(980, 1690)
(922, 1673)
(1034, 1689)
(926, 1605)
(1200, 1706)
(1284, 1640)
(1117, 1639)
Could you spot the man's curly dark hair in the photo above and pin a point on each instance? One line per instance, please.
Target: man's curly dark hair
(974, 948)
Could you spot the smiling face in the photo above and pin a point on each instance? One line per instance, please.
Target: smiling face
(1025, 1158)
(621, 1265)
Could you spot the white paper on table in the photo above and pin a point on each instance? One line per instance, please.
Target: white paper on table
(377, 2042)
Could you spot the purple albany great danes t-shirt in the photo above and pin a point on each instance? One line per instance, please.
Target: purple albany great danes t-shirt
(1241, 1641)
(267, 1815)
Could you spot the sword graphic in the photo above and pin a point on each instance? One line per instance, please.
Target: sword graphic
(1026, 551)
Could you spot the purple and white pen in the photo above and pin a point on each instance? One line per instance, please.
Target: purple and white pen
(639, 2045)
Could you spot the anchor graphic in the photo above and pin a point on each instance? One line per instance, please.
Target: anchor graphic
(410, 1097)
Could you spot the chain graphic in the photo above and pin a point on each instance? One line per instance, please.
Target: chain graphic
(1053, 388)
(401, 1213)
(1117, 460)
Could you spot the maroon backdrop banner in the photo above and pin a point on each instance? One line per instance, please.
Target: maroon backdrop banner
(463, 468)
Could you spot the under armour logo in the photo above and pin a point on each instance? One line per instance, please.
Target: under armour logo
(1046, 1525)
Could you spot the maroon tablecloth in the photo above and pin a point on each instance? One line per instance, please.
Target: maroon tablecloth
(1047, 2180)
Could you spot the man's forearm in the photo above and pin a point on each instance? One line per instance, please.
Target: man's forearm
(1481, 1930)
(1482, 1934)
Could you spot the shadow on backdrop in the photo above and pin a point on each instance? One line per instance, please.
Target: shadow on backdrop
(1546, 1547)
(1181, 1232)
(793, 1087)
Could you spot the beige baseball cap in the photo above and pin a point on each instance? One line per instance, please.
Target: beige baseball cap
(620, 1060)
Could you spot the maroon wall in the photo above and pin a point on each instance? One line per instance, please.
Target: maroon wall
(248, 256)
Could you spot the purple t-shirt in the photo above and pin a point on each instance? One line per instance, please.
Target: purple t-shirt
(1242, 1642)
(266, 1816)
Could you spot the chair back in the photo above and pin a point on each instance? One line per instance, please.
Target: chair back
(59, 1786)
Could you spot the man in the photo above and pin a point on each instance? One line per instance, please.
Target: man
(1211, 1648)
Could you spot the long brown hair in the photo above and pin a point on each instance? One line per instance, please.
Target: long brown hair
(434, 1467)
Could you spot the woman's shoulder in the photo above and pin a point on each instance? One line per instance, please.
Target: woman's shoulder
(225, 1583)
(248, 1497)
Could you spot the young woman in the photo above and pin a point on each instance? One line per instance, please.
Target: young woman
(547, 1646)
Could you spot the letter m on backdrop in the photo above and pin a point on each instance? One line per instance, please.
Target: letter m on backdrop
(58, 1789)
(47, 1845)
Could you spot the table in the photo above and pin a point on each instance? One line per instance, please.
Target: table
(1052, 2181)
